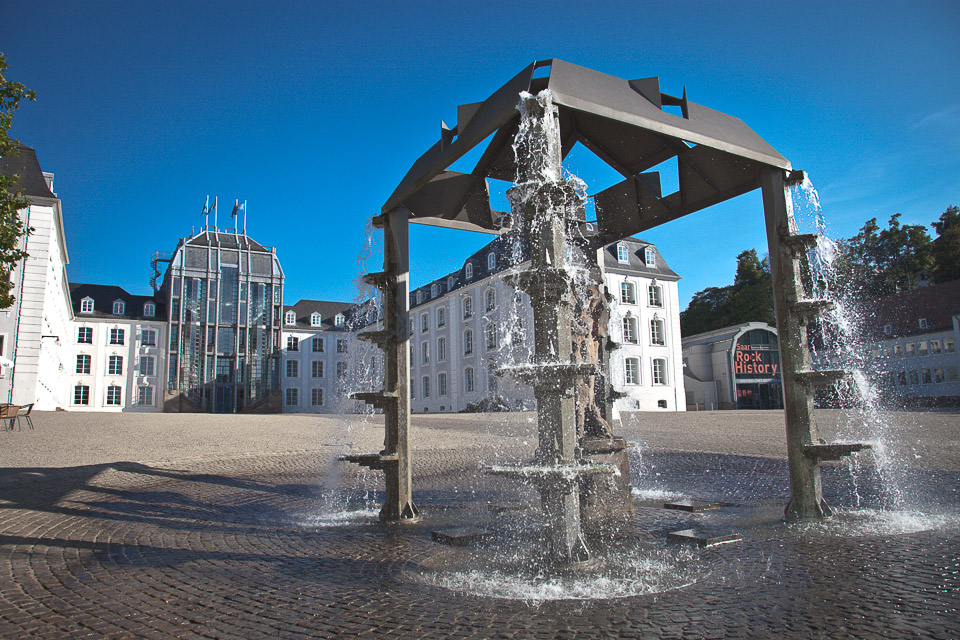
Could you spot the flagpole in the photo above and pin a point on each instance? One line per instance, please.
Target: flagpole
(206, 212)
(236, 203)
(244, 217)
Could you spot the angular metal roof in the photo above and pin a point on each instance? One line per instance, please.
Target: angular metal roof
(622, 121)
(26, 165)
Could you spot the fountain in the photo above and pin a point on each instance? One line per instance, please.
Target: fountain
(633, 127)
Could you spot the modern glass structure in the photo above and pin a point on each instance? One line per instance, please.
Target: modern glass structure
(224, 293)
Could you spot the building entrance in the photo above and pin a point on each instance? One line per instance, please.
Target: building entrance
(760, 395)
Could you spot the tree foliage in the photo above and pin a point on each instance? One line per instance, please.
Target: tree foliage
(748, 299)
(946, 248)
(11, 199)
(880, 262)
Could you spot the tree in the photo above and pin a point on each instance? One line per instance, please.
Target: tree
(748, 299)
(11, 199)
(946, 248)
(881, 262)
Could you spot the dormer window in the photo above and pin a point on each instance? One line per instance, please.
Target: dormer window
(291, 318)
(450, 283)
(887, 329)
(118, 307)
(338, 320)
(86, 305)
(468, 271)
(491, 261)
(315, 319)
(622, 255)
(924, 323)
(419, 297)
(149, 310)
(650, 257)
(434, 290)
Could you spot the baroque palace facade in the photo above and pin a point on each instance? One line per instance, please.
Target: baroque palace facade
(215, 336)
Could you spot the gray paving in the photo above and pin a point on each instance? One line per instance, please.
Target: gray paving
(229, 527)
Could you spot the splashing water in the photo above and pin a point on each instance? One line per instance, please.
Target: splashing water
(842, 342)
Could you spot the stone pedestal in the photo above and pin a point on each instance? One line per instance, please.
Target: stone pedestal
(606, 502)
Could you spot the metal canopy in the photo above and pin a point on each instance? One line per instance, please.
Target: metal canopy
(621, 121)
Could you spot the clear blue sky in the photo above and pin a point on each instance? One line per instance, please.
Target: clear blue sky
(313, 111)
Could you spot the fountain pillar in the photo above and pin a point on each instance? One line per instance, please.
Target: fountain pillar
(394, 399)
(786, 249)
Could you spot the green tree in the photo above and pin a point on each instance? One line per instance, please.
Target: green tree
(880, 262)
(946, 247)
(11, 199)
(748, 299)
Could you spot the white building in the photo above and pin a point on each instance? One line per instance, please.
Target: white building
(916, 335)
(118, 347)
(35, 331)
(471, 322)
(734, 367)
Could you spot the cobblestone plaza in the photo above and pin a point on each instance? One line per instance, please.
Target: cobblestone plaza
(219, 527)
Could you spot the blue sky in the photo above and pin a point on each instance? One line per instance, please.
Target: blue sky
(313, 112)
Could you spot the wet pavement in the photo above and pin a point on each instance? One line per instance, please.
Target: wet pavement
(257, 546)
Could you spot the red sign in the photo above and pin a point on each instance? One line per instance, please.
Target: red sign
(749, 362)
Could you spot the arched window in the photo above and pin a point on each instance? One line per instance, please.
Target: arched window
(468, 385)
(654, 295)
(149, 310)
(490, 336)
(118, 307)
(468, 271)
(659, 371)
(628, 293)
(419, 297)
(339, 320)
(491, 261)
(656, 331)
(622, 255)
(291, 318)
(650, 257)
(450, 283)
(86, 305)
(631, 371)
(491, 299)
(630, 330)
(434, 290)
(467, 307)
(315, 319)
(467, 342)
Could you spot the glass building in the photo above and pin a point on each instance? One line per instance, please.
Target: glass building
(224, 293)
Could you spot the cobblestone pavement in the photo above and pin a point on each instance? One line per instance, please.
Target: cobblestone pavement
(257, 545)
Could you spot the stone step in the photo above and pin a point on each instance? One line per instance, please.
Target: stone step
(809, 310)
(379, 399)
(824, 451)
(820, 379)
(379, 279)
(375, 461)
(382, 338)
(800, 243)
(703, 538)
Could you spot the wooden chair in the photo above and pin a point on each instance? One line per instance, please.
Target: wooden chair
(8, 412)
(24, 412)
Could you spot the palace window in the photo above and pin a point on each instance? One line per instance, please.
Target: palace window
(148, 338)
(441, 317)
(293, 368)
(315, 319)
(491, 299)
(656, 331)
(434, 290)
(424, 322)
(113, 396)
(441, 384)
(468, 271)
(292, 398)
(650, 257)
(622, 256)
(147, 366)
(316, 397)
(628, 293)
(419, 297)
(467, 307)
(149, 310)
(341, 346)
(83, 364)
(291, 318)
(654, 295)
(85, 335)
(118, 307)
(490, 335)
(293, 343)
(491, 261)
(341, 369)
(468, 385)
(467, 342)
(426, 386)
(441, 349)
(659, 371)
(316, 369)
(116, 336)
(450, 283)
(631, 371)
(86, 306)
(115, 366)
(81, 394)
(318, 345)
(145, 396)
(425, 353)
(630, 330)
(339, 320)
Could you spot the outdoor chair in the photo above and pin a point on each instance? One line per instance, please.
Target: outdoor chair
(8, 412)
(24, 412)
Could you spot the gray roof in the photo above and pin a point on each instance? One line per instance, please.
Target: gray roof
(226, 241)
(327, 310)
(26, 165)
(637, 263)
(104, 295)
(624, 122)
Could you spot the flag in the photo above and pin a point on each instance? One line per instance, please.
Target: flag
(213, 209)
(237, 207)
(206, 203)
